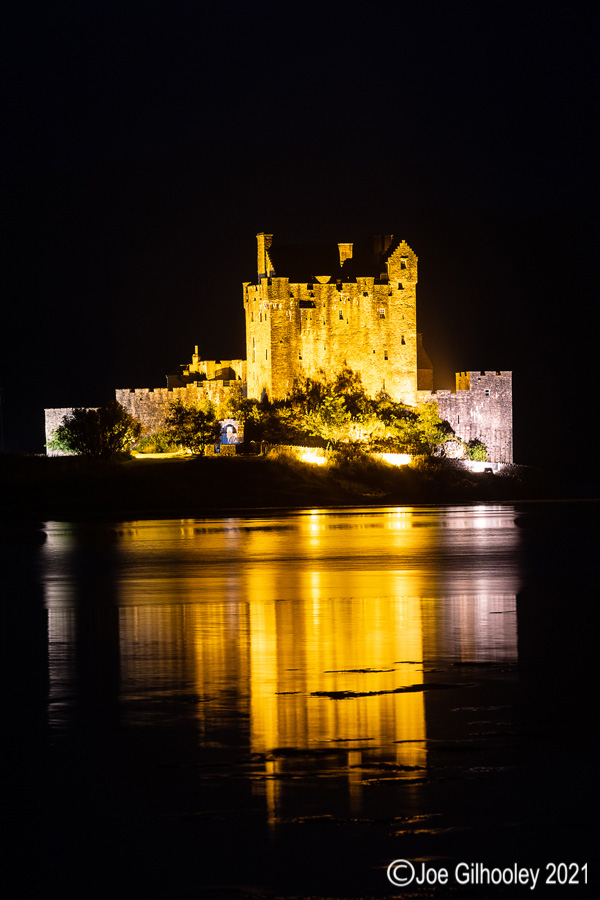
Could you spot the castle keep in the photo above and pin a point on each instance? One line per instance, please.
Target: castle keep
(316, 310)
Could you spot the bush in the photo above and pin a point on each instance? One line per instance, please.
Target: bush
(104, 432)
(192, 427)
(476, 450)
(159, 442)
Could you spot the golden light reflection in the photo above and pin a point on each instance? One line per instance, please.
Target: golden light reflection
(326, 672)
(307, 626)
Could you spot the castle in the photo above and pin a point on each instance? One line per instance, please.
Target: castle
(316, 310)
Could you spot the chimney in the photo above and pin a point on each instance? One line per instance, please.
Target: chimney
(345, 252)
(264, 266)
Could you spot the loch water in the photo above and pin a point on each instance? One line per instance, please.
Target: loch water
(280, 705)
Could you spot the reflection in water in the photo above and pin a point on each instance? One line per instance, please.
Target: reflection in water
(361, 651)
(280, 706)
(305, 632)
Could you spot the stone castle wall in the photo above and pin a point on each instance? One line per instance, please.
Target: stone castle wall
(315, 329)
(481, 408)
(150, 405)
(52, 419)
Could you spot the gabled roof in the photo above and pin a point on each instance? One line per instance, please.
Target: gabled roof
(303, 262)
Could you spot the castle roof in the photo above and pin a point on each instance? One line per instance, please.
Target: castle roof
(304, 262)
(423, 361)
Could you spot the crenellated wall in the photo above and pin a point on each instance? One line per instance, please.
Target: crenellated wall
(481, 408)
(150, 405)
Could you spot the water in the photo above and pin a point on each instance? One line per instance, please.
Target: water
(279, 706)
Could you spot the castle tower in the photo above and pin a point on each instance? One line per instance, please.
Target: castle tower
(315, 311)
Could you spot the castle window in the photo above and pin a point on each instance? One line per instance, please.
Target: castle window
(299, 354)
(400, 286)
(342, 314)
(252, 316)
(385, 354)
(266, 354)
(402, 263)
(402, 341)
(265, 317)
(261, 317)
(381, 313)
(487, 392)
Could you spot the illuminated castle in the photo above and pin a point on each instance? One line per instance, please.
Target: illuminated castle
(316, 310)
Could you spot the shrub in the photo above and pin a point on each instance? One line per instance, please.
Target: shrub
(103, 432)
(192, 427)
(158, 442)
(476, 450)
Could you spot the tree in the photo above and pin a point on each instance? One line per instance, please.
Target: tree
(192, 427)
(102, 432)
(400, 424)
(329, 421)
(430, 426)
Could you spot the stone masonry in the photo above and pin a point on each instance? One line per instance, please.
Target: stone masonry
(150, 405)
(481, 408)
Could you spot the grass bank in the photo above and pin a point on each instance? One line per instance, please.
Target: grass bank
(79, 488)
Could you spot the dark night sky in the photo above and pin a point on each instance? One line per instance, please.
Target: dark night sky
(145, 145)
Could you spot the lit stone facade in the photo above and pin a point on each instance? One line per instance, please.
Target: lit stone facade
(336, 317)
